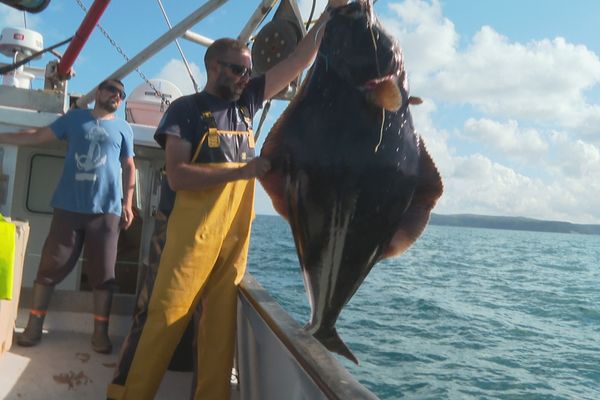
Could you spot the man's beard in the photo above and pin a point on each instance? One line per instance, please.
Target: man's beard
(229, 89)
(108, 106)
(227, 93)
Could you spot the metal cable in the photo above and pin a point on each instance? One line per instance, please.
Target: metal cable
(263, 116)
(164, 100)
(312, 13)
(11, 67)
(185, 61)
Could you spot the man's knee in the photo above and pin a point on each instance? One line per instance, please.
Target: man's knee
(110, 285)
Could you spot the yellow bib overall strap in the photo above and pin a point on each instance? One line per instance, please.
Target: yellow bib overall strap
(248, 121)
(217, 145)
(212, 133)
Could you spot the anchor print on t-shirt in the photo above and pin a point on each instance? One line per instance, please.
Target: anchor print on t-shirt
(87, 163)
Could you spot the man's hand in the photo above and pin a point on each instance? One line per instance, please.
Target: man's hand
(126, 216)
(282, 73)
(256, 168)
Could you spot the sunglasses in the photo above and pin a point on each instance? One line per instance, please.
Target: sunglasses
(237, 69)
(114, 90)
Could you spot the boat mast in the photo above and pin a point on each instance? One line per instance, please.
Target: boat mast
(81, 36)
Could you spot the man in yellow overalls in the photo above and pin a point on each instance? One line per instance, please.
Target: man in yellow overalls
(210, 164)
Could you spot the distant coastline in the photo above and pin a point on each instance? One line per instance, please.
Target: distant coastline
(513, 223)
(510, 223)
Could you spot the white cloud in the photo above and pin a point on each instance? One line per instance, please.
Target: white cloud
(11, 17)
(175, 72)
(576, 159)
(509, 138)
(519, 95)
(482, 186)
(543, 81)
(477, 184)
(568, 191)
(428, 39)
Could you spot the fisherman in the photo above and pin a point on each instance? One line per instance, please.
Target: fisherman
(182, 359)
(90, 206)
(211, 166)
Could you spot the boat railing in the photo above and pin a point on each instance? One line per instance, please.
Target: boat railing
(278, 359)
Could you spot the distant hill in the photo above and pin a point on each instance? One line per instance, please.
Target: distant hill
(514, 223)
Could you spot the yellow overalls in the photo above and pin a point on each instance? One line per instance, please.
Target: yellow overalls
(204, 259)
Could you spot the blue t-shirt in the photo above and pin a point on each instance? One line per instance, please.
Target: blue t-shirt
(91, 179)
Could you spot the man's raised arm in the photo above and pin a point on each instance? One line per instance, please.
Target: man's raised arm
(28, 136)
(288, 69)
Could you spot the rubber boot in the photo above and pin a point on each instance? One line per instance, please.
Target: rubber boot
(32, 334)
(102, 303)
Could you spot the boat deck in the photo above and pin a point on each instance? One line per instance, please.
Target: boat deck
(64, 366)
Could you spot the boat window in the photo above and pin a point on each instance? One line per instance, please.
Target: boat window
(44, 174)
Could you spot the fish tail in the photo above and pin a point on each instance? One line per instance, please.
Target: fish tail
(332, 341)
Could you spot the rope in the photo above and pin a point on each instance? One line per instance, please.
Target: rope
(16, 65)
(312, 13)
(381, 130)
(379, 74)
(119, 50)
(263, 116)
(185, 61)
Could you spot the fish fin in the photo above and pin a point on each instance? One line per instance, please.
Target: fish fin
(274, 181)
(415, 101)
(428, 190)
(332, 341)
(386, 94)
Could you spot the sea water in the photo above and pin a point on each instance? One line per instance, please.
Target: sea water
(465, 313)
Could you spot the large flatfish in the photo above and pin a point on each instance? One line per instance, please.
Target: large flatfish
(349, 173)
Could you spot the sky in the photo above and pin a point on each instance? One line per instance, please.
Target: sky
(511, 88)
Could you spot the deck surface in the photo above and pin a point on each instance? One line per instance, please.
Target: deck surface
(64, 366)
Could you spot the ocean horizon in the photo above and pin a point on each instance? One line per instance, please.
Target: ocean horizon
(465, 313)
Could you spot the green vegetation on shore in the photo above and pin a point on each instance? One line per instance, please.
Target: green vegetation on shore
(513, 223)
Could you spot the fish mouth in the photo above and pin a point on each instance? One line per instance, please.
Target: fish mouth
(394, 70)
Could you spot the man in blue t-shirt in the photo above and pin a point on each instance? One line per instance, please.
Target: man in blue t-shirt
(92, 202)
